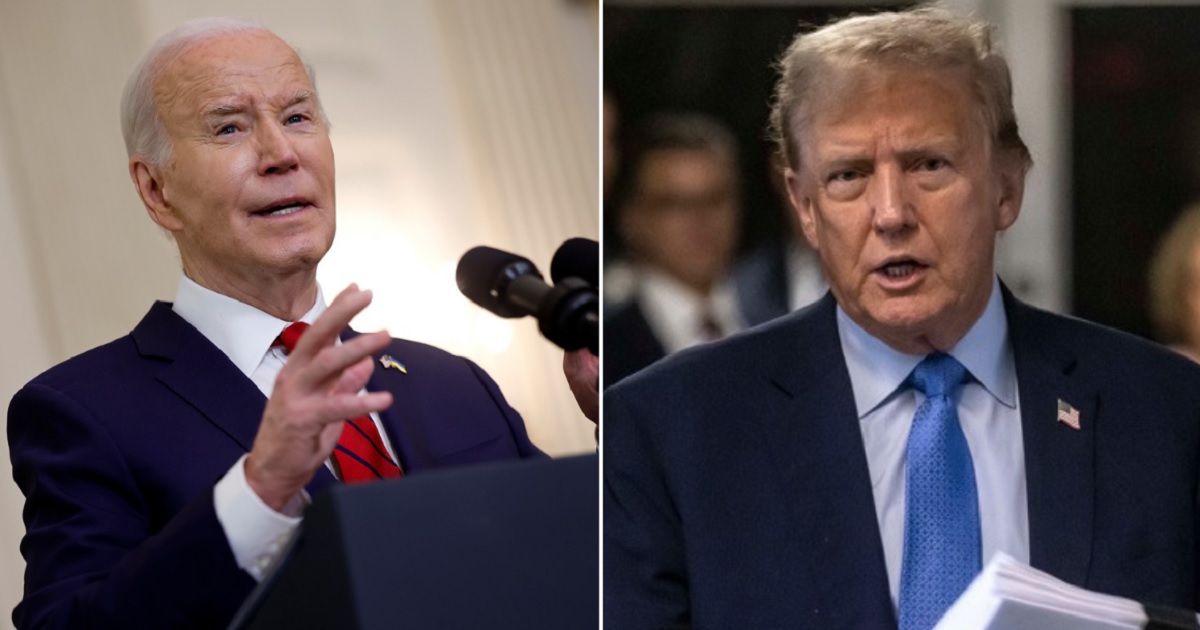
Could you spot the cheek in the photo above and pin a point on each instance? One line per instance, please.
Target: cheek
(640, 230)
(217, 182)
(967, 256)
(841, 232)
(725, 225)
(320, 154)
(238, 167)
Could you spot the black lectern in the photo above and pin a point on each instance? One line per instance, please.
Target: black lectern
(510, 545)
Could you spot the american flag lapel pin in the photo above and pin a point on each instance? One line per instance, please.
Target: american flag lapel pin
(1068, 415)
(388, 361)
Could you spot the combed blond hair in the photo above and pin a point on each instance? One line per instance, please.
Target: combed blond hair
(1171, 278)
(926, 38)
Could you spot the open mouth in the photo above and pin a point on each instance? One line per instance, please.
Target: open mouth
(282, 209)
(900, 269)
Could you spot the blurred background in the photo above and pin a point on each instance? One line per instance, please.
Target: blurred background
(455, 123)
(1107, 97)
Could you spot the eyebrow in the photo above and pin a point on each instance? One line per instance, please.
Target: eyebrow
(222, 110)
(850, 153)
(301, 96)
(229, 109)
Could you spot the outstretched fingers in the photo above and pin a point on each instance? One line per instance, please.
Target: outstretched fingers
(328, 327)
(317, 389)
(318, 359)
(330, 362)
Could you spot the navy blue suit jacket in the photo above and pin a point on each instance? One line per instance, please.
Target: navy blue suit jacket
(117, 451)
(736, 490)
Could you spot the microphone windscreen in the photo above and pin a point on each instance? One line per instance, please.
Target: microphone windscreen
(577, 258)
(483, 274)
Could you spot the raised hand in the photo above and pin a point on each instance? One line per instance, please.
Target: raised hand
(316, 390)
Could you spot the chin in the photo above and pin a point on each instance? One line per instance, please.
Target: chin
(297, 258)
(907, 314)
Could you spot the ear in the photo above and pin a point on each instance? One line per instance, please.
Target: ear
(151, 187)
(802, 205)
(1011, 189)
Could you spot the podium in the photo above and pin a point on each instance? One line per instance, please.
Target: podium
(505, 545)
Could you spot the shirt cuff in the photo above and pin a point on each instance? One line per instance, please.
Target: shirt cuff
(256, 533)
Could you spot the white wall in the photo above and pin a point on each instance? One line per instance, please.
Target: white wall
(456, 123)
(28, 349)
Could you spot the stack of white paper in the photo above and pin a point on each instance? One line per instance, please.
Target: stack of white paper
(1009, 595)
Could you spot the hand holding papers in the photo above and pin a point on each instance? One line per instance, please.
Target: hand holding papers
(1010, 595)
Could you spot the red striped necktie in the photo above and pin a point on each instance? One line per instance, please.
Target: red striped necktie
(359, 453)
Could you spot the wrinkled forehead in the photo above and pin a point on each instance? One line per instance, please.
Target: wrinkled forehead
(246, 65)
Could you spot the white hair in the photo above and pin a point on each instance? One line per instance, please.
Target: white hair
(141, 124)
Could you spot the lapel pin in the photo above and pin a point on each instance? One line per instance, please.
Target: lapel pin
(388, 361)
(1068, 415)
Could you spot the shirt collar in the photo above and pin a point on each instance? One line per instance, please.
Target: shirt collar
(242, 332)
(673, 308)
(877, 371)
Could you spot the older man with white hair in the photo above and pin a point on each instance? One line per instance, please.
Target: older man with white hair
(163, 471)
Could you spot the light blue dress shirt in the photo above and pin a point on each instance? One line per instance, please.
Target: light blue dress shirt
(988, 408)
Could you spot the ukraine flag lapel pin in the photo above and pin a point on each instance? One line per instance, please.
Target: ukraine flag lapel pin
(388, 361)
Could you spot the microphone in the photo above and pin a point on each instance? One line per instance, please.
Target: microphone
(510, 286)
(577, 258)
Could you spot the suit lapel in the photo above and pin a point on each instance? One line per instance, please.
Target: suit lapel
(816, 445)
(206, 379)
(201, 374)
(401, 420)
(1059, 460)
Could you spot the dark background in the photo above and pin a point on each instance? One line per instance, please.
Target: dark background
(1133, 86)
(714, 60)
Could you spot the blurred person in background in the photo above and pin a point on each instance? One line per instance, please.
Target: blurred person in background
(1175, 285)
(619, 275)
(678, 216)
(781, 276)
(612, 145)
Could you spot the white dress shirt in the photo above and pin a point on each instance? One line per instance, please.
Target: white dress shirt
(988, 410)
(674, 310)
(245, 334)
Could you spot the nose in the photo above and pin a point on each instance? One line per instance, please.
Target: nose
(891, 211)
(276, 151)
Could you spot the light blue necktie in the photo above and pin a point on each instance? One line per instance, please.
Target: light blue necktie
(941, 516)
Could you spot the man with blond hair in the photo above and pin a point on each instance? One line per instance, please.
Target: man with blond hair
(163, 471)
(854, 464)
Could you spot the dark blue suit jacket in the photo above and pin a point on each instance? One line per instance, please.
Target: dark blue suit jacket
(117, 451)
(736, 491)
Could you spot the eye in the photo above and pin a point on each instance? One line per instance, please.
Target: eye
(296, 118)
(847, 183)
(227, 129)
(843, 176)
(932, 164)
